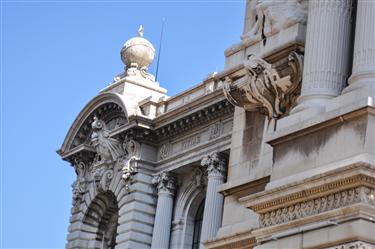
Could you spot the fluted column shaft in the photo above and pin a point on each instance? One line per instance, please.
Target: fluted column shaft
(327, 50)
(363, 72)
(166, 186)
(213, 209)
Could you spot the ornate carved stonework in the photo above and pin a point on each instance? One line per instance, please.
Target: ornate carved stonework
(354, 245)
(214, 164)
(129, 161)
(271, 90)
(318, 196)
(215, 130)
(102, 177)
(79, 186)
(165, 182)
(108, 149)
(319, 205)
(165, 150)
(270, 16)
(199, 178)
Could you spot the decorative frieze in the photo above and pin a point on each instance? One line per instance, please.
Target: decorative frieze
(216, 130)
(264, 87)
(354, 245)
(344, 187)
(190, 142)
(319, 205)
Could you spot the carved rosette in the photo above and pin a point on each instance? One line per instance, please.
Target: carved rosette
(272, 91)
(165, 182)
(214, 164)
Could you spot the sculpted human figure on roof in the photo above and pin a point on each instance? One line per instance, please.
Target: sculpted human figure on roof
(267, 17)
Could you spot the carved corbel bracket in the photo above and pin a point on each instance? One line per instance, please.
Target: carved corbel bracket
(270, 88)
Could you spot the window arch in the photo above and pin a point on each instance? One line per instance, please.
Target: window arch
(198, 226)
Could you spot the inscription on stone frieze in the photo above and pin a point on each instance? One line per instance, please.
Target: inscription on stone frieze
(190, 142)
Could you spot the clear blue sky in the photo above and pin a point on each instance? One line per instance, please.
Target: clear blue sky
(56, 56)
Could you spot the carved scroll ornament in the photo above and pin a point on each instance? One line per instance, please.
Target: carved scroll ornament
(129, 161)
(79, 186)
(264, 87)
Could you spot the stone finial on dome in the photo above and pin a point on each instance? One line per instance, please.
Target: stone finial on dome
(138, 52)
(140, 31)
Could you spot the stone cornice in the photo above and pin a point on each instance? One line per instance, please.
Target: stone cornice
(194, 118)
(315, 187)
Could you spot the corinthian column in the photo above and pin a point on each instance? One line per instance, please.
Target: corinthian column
(363, 73)
(326, 63)
(213, 209)
(166, 186)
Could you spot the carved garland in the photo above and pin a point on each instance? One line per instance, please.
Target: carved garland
(264, 88)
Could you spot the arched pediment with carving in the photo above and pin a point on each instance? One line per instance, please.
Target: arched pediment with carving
(111, 108)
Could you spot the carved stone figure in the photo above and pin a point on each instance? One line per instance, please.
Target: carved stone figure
(270, 16)
(199, 178)
(108, 149)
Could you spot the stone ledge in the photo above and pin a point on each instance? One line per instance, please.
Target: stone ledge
(245, 240)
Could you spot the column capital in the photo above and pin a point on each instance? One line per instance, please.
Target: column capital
(165, 182)
(214, 164)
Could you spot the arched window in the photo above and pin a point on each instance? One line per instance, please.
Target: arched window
(198, 226)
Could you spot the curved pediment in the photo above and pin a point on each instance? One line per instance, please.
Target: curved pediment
(109, 107)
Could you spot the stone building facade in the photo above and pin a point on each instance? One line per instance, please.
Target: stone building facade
(275, 151)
